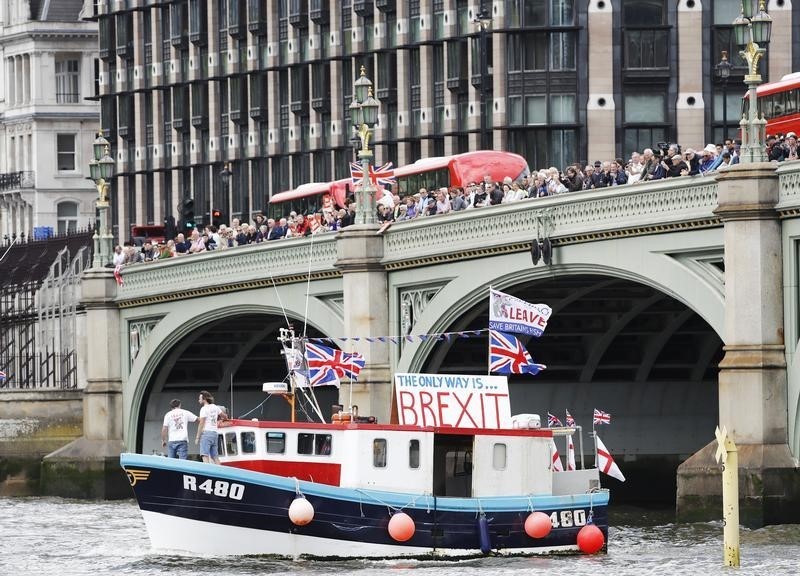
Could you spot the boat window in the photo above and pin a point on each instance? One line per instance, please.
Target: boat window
(305, 443)
(230, 444)
(322, 444)
(276, 443)
(221, 445)
(248, 442)
(316, 444)
(379, 453)
(499, 457)
(413, 454)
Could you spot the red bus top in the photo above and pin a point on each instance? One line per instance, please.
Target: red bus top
(430, 173)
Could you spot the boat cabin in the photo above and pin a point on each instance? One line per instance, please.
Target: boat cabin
(456, 462)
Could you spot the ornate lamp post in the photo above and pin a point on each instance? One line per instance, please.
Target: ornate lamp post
(483, 20)
(225, 175)
(752, 30)
(723, 73)
(364, 116)
(101, 170)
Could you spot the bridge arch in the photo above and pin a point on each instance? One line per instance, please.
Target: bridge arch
(639, 337)
(248, 323)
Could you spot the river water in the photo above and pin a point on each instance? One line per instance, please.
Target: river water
(43, 536)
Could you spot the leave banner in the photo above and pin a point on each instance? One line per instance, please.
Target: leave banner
(510, 314)
(460, 401)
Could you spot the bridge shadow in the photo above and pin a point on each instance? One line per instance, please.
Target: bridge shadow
(624, 348)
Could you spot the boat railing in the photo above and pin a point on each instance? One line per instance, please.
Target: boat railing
(569, 431)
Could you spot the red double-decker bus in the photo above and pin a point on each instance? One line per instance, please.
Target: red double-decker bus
(780, 104)
(429, 173)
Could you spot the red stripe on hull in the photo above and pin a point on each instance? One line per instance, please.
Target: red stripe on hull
(322, 472)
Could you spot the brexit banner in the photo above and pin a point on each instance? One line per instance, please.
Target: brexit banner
(510, 314)
(460, 401)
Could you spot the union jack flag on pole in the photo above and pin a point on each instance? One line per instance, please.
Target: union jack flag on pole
(570, 420)
(2, 376)
(381, 176)
(601, 417)
(553, 420)
(326, 366)
(508, 356)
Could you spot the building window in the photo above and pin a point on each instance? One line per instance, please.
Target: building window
(646, 36)
(67, 217)
(644, 120)
(67, 81)
(379, 453)
(65, 144)
(413, 454)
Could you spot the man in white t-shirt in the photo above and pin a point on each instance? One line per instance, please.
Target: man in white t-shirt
(206, 437)
(175, 431)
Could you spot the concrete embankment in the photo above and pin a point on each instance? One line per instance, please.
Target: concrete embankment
(33, 424)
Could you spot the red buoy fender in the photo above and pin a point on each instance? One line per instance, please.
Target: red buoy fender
(538, 525)
(401, 527)
(590, 539)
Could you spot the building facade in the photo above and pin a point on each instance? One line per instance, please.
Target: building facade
(47, 125)
(261, 89)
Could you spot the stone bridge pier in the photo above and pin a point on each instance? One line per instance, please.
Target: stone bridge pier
(753, 391)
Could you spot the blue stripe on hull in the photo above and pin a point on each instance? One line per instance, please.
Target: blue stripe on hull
(350, 515)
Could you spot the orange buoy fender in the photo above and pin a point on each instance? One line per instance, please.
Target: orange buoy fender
(538, 525)
(590, 539)
(401, 527)
(301, 511)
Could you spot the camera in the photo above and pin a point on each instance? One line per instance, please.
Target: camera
(664, 147)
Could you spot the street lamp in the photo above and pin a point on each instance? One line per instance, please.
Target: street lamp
(225, 175)
(483, 21)
(723, 73)
(752, 30)
(101, 170)
(364, 117)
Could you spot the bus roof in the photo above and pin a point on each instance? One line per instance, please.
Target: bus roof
(788, 82)
(309, 189)
(469, 166)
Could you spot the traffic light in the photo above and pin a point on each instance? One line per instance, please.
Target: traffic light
(187, 213)
(216, 217)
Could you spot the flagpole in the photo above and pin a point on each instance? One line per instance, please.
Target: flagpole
(594, 436)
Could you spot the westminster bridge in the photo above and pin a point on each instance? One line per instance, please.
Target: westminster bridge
(675, 308)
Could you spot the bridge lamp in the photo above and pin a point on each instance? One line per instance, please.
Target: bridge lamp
(101, 171)
(723, 70)
(483, 22)
(364, 117)
(226, 177)
(752, 30)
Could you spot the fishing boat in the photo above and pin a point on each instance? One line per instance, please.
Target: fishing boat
(455, 478)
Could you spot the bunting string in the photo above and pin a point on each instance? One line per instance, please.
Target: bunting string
(437, 336)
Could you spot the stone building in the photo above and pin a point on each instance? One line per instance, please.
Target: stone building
(48, 119)
(261, 89)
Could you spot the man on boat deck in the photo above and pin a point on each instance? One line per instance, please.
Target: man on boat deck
(206, 437)
(175, 431)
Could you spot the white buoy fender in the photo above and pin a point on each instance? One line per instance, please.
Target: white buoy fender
(301, 511)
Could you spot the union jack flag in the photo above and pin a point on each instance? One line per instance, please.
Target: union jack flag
(508, 356)
(553, 420)
(2, 376)
(570, 419)
(326, 366)
(601, 417)
(381, 176)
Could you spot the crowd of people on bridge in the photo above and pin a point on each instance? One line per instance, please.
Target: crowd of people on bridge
(660, 162)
